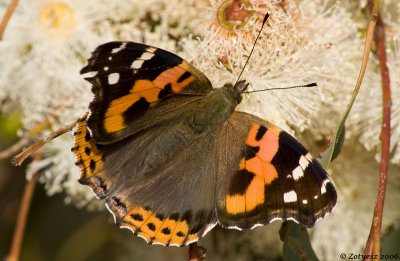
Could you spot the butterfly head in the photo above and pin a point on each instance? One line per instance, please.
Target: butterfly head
(237, 89)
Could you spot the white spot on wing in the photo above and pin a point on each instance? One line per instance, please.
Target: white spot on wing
(304, 161)
(316, 196)
(146, 56)
(90, 74)
(191, 241)
(87, 127)
(109, 209)
(145, 239)
(298, 173)
(235, 227)
(116, 50)
(256, 225)
(97, 197)
(158, 243)
(126, 227)
(106, 68)
(323, 187)
(113, 78)
(290, 196)
(208, 228)
(137, 64)
(304, 201)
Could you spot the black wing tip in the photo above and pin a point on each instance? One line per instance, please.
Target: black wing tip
(98, 51)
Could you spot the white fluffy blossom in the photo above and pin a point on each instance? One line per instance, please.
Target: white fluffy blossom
(299, 44)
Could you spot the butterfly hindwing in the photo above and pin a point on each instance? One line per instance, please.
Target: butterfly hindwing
(129, 79)
(271, 176)
(151, 183)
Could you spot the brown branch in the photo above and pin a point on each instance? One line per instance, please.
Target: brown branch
(14, 148)
(373, 242)
(6, 17)
(196, 252)
(23, 212)
(19, 159)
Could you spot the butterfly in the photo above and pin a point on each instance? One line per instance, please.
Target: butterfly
(173, 158)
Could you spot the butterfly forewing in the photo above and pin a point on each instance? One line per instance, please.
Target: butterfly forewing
(129, 80)
(265, 175)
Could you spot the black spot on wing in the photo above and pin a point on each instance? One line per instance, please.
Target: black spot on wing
(92, 165)
(187, 216)
(151, 226)
(288, 155)
(137, 109)
(87, 136)
(174, 216)
(184, 76)
(161, 61)
(240, 182)
(137, 217)
(165, 92)
(196, 229)
(251, 152)
(166, 231)
(260, 133)
(160, 216)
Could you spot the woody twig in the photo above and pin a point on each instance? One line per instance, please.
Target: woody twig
(373, 243)
(7, 16)
(19, 159)
(23, 212)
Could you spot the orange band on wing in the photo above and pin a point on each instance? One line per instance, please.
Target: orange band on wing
(114, 118)
(149, 90)
(157, 229)
(267, 144)
(89, 158)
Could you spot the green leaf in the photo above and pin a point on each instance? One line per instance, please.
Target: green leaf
(296, 242)
(335, 147)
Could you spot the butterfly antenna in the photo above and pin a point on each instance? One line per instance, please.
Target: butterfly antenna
(314, 84)
(252, 49)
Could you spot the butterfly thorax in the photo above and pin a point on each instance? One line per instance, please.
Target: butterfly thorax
(215, 108)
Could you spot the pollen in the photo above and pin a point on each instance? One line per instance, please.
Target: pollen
(57, 19)
(234, 14)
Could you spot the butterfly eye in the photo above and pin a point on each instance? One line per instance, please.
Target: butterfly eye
(228, 86)
(240, 87)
